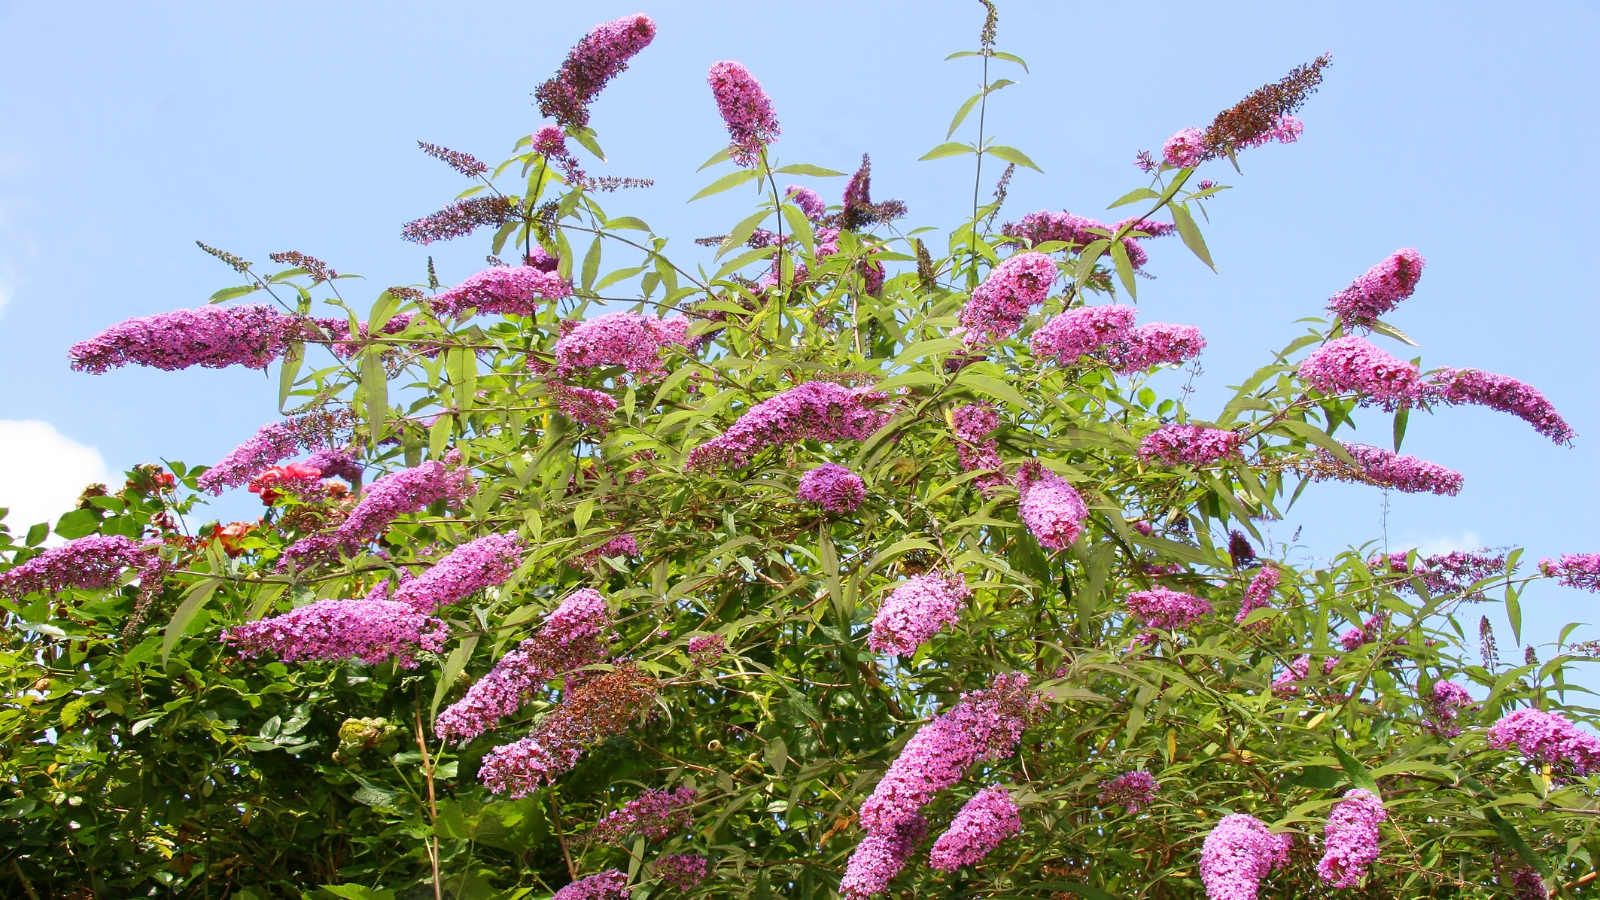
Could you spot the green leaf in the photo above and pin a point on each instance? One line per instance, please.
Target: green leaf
(742, 231)
(78, 523)
(228, 293)
(1401, 416)
(619, 275)
(196, 598)
(357, 892)
(806, 169)
(582, 512)
(1134, 196)
(961, 114)
(265, 597)
(1009, 57)
(994, 387)
(1514, 613)
(1354, 770)
(382, 311)
(776, 755)
(1387, 330)
(375, 387)
(586, 139)
(1190, 232)
(800, 227)
(1066, 887)
(1012, 155)
(623, 223)
(453, 664)
(1119, 254)
(591, 264)
(739, 262)
(962, 53)
(726, 182)
(289, 370)
(1509, 834)
(949, 148)
(720, 156)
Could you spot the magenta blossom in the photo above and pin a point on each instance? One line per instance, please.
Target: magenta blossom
(1354, 365)
(1548, 739)
(1155, 344)
(508, 291)
(625, 339)
(983, 822)
(816, 410)
(273, 443)
(1132, 791)
(213, 336)
(1351, 839)
(1171, 445)
(1444, 705)
(1505, 394)
(1380, 290)
(1185, 149)
(1237, 854)
(1407, 474)
(586, 406)
(93, 562)
(832, 487)
(681, 870)
(1080, 332)
(879, 858)
(808, 201)
(1051, 509)
(612, 884)
(917, 610)
(1579, 570)
(1258, 595)
(657, 814)
(602, 55)
(372, 631)
(746, 110)
(997, 307)
(1166, 609)
(469, 568)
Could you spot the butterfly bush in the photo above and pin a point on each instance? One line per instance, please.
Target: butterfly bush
(1237, 854)
(783, 689)
(984, 821)
(1350, 840)
(916, 610)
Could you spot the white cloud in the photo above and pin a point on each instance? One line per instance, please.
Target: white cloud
(6, 293)
(1430, 545)
(42, 472)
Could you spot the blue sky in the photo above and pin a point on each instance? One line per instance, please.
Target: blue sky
(129, 132)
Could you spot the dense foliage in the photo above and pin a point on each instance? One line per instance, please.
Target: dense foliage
(674, 579)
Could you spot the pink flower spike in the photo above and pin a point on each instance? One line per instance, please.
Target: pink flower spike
(997, 307)
(1166, 609)
(1172, 445)
(214, 337)
(1353, 365)
(746, 110)
(1237, 854)
(984, 821)
(602, 55)
(916, 611)
(1351, 839)
(1050, 507)
(507, 291)
(1080, 332)
(1380, 290)
(1505, 394)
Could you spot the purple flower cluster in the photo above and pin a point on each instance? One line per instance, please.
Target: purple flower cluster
(273, 443)
(1449, 573)
(816, 410)
(1166, 609)
(810, 204)
(509, 291)
(984, 724)
(459, 219)
(1444, 706)
(1132, 791)
(832, 487)
(983, 822)
(1155, 344)
(1189, 147)
(972, 424)
(552, 143)
(213, 336)
(369, 630)
(1258, 595)
(706, 649)
(1049, 506)
(1380, 290)
(621, 545)
(1078, 232)
(1528, 884)
(1171, 445)
(1369, 631)
(997, 307)
(656, 814)
(612, 884)
(386, 499)
(1578, 570)
(916, 611)
(879, 857)
(602, 55)
(1237, 854)
(93, 562)
(1185, 149)
(571, 637)
(625, 339)
(746, 110)
(471, 567)
(1355, 365)
(1383, 468)
(335, 462)
(586, 406)
(681, 870)
(1080, 332)
(1350, 841)
(1548, 739)
(1287, 681)
(1505, 394)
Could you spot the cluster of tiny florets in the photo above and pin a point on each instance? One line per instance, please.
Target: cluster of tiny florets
(505, 290)
(372, 631)
(998, 305)
(917, 610)
(213, 336)
(1193, 445)
(988, 818)
(1132, 791)
(1380, 290)
(1050, 507)
(1166, 609)
(1350, 841)
(832, 487)
(816, 410)
(746, 110)
(1237, 854)
(1548, 739)
(602, 55)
